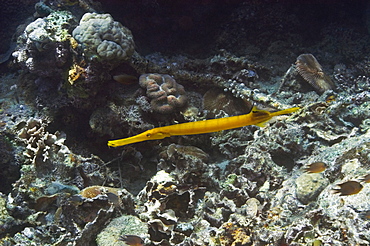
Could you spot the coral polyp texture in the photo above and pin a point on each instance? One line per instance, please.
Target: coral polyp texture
(166, 95)
(104, 38)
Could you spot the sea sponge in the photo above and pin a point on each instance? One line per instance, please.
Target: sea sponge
(233, 234)
(104, 38)
(310, 69)
(95, 190)
(165, 93)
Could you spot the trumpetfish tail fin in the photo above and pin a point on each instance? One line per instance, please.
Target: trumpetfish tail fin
(285, 111)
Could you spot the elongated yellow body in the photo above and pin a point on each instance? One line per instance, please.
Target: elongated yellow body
(255, 117)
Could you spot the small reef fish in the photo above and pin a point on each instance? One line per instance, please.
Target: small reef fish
(330, 99)
(132, 240)
(366, 178)
(125, 79)
(113, 199)
(316, 167)
(255, 117)
(76, 200)
(365, 215)
(348, 188)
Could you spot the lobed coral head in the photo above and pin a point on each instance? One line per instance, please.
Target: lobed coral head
(104, 38)
(165, 93)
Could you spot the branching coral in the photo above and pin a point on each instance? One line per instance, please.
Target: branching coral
(165, 93)
(40, 144)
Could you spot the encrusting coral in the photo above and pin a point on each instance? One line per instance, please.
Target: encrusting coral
(45, 41)
(165, 93)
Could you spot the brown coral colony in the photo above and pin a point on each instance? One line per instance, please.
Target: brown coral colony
(366, 178)
(165, 93)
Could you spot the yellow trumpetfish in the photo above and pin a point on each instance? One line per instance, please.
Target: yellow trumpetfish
(255, 117)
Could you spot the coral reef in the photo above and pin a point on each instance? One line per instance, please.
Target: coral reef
(40, 144)
(303, 179)
(45, 155)
(218, 102)
(99, 44)
(165, 94)
(45, 42)
(114, 119)
(119, 227)
(167, 205)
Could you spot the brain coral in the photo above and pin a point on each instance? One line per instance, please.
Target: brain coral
(104, 38)
(165, 93)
